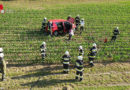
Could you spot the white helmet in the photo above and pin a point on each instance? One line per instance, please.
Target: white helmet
(69, 16)
(80, 58)
(117, 27)
(67, 53)
(1, 49)
(45, 18)
(1, 55)
(82, 19)
(78, 15)
(44, 43)
(94, 45)
(80, 47)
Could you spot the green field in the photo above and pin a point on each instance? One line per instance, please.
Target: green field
(21, 37)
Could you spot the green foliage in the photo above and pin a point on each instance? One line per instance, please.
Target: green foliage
(21, 36)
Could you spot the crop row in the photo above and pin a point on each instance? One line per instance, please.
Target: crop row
(21, 36)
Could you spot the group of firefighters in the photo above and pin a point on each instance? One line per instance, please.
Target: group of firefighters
(66, 58)
(78, 22)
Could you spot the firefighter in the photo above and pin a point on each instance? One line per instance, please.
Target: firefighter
(43, 50)
(115, 33)
(92, 54)
(2, 64)
(50, 27)
(44, 23)
(71, 33)
(81, 51)
(77, 21)
(79, 68)
(82, 25)
(66, 61)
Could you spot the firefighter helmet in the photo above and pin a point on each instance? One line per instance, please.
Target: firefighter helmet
(69, 16)
(94, 45)
(117, 27)
(67, 53)
(78, 15)
(82, 19)
(44, 43)
(80, 47)
(45, 18)
(1, 49)
(1, 55)
(80, 58)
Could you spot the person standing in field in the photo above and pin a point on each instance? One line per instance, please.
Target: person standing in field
(44, 23)
(77, 21)
(81, 51)
(115, 33)
(2, 64)
(82, 25)
(43, 50)
(79, 68)
(71, 33)
(50, 27)
(92, 54)
(66, 61)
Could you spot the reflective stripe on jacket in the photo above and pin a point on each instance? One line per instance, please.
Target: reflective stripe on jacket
(79, 65)
(66, 59)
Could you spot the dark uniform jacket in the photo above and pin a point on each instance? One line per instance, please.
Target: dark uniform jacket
(116, 32)
(77, 20)
(79, 65)
(2, 66)
(43, 48)
(66, 59)
(81, 52)
(92, 52)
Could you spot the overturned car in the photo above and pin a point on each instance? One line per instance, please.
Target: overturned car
(58, 26)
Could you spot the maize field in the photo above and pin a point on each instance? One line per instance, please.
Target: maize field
(21, 37)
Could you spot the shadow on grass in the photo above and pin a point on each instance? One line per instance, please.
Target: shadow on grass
(46, 83)
(37, 74)
(46, 71)
(24, 63)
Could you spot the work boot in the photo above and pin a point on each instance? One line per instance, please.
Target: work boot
(64, 72)
(67, 72)
(3, 77)
(76, 78)
(91, 64)
(80, 79)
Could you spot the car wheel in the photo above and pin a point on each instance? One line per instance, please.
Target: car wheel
(56, 33)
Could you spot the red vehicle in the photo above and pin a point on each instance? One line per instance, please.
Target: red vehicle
(59, 26)
(1, 8)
